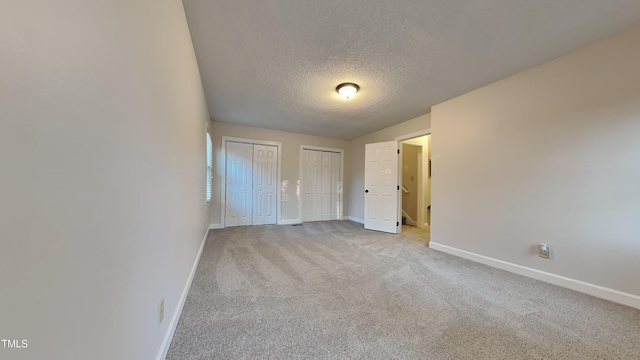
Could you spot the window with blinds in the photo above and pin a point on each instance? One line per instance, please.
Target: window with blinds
(209, 166)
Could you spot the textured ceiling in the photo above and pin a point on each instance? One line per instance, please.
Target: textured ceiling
(275, 63)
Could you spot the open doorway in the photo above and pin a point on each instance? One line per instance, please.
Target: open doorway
(415, 180)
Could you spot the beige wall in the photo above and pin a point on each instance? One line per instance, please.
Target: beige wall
(290, 163)
(355, 185)
(102, 146)
(548, 155)
(410, 179)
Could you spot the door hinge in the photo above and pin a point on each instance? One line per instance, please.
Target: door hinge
(398, 151)
(397, 223)
(398, 187)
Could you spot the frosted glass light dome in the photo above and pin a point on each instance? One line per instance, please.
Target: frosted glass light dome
(347, 90)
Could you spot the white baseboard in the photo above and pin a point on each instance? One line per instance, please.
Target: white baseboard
(290, 222)
(215, 226)
(354, 219)
(164, 348)
(577, 285)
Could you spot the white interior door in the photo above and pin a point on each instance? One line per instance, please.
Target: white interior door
(336, 186)
(311, 185)
(381, 187)
(265, 163)
(239, 184)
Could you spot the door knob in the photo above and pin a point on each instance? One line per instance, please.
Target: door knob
(366, 191)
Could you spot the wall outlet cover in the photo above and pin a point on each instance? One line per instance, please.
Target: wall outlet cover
(544, 251)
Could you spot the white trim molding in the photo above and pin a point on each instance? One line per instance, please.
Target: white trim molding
(290, 222)
(354, 219)
(215, 226)
(166, 342)
(577, 285)
(410, 221)
(414, 134)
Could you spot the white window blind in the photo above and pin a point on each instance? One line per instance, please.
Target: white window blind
(209, 166)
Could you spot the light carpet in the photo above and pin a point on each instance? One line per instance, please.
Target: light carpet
(332, 290)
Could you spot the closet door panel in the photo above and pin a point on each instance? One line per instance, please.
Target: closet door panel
(311, 186)
(336, 186)
(239, 178)
(320, 185)
(265, 164)
(325, 183)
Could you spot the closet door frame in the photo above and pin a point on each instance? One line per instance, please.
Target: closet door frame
(223, 167)
(341, 179)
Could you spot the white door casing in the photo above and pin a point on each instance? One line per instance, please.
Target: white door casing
(381, 187)
(265, 162)
(425, 173)
(239, 179)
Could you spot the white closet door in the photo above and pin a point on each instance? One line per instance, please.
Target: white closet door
(336, 186)
(265, 163)
(325, 208)
(305, 184)
(311, 185)
(239, 184)
(320, 185)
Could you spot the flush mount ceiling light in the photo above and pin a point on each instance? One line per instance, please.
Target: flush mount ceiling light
(347, 90)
